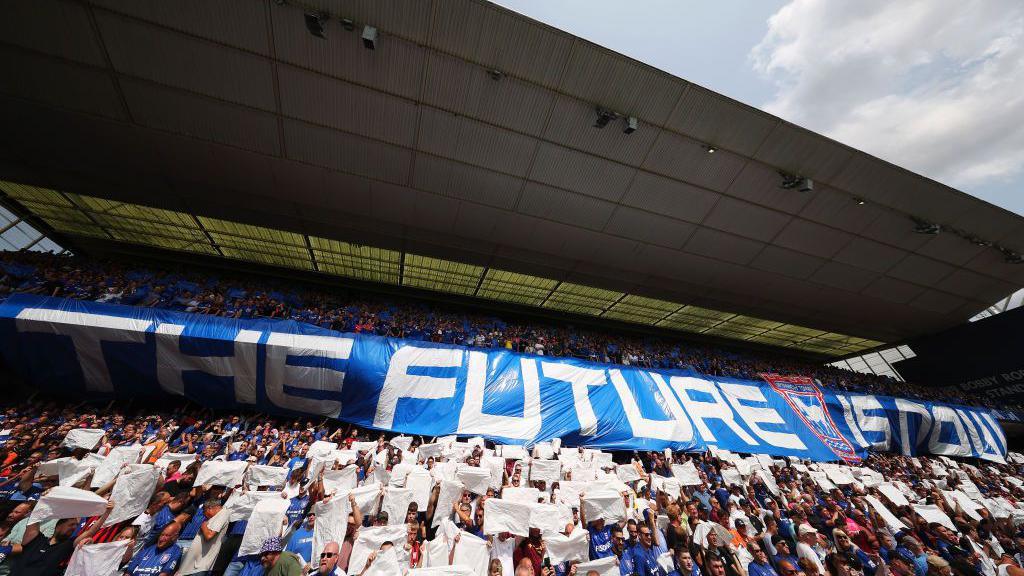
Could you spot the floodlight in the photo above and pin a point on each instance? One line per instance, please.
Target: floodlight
(710, 149)
(348, 24)
(369, 37)
(495, 74)
(923, 227)
(604, 116)
(796, 182)
(631, 125)
(860, 201)
(315, 23)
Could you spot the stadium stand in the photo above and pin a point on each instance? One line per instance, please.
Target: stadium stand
(184, 484)
(229, 492)
(163, 417)
(351, 311)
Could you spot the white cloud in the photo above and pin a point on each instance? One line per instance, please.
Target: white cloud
(936, 86)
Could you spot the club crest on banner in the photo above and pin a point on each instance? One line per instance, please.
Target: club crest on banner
(805, 398)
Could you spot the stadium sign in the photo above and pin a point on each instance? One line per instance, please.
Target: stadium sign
(71, 346)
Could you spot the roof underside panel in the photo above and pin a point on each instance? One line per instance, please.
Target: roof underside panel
(88, 216)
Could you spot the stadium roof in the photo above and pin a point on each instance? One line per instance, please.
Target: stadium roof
(461, 149)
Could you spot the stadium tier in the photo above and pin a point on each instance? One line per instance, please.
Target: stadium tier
(360, 362)
(230, 295)
(425, 287)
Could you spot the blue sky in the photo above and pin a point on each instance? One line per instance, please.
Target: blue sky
(936, 86)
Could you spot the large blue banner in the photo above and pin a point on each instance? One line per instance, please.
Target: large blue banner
(72, 346)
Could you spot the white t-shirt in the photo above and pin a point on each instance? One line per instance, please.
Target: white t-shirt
(503, 552)
(803, 550)
(202, 554)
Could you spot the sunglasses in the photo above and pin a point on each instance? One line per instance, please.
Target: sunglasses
(327, 555)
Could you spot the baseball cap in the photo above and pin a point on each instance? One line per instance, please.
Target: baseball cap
(807, 529)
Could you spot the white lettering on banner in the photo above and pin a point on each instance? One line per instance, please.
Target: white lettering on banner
(581, 380)
(321, 378)
(1000, 436)
(717, 409)
(400, 384)
(848, 416)
(303, 365)
(171, 364)
(972, 433)
(756, 415)
(905, 408)
(872, 422)
(472, 419)
(988, 442)
(88, 332)
(676, 429)
(946, 415)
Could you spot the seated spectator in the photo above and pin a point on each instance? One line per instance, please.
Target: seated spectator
(277, 562)
(161, 557)
(41, 555)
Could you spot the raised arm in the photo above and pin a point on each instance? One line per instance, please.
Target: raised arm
(652, 524)
(27, 475)
(95, 526)
(207, 532)
(31, 531)
(106, 488)
(583, 516)
(357, 514)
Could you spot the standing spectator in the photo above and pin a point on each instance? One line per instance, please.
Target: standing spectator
(301, 541)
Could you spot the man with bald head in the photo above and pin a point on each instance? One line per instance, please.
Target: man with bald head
(329, 560)
(159, 559)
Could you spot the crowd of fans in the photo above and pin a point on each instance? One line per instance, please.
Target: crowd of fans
(442, 506)
(205, 292)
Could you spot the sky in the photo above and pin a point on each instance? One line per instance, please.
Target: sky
(935, 86)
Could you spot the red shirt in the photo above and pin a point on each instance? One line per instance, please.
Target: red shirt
(104, 534)
(525, 550)
(414, 554)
